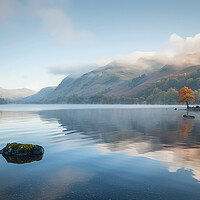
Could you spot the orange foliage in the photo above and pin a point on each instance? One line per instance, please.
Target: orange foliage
(185, 95)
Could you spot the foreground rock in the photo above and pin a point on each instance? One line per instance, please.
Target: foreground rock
(16, 149)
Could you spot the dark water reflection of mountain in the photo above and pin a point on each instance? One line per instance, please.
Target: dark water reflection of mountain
(163, 127)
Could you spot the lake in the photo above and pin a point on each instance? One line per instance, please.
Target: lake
(102, 152)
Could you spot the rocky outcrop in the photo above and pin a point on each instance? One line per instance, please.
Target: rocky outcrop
(17, 149)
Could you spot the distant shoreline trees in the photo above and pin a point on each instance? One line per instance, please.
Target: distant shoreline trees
(2, 101)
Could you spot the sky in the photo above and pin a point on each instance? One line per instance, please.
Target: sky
(43, 41)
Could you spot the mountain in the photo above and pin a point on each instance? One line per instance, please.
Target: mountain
(99, 81)
(38, 97)
(14, 94)
(144, 81)
(111, 82)
(116, 83)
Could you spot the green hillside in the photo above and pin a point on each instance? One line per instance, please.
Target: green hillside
(165, 91)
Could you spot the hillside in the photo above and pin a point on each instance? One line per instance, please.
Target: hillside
(104, 80)
(111, 87)
(38, 97)
(165, 91)
(14, 94)
(142, 82)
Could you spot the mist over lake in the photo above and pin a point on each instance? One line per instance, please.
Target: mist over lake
(102, 152)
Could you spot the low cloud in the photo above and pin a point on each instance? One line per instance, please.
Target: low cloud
(142, 62)
(178, 52)
(179, 46)
(72, 70)
(185, 60)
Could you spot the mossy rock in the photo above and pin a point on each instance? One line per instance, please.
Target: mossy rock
(17, 149)
(189, 116)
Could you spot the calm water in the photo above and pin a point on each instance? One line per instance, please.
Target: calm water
(102, 152)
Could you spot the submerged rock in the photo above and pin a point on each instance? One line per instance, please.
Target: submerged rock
(188, 116)
(17, 149)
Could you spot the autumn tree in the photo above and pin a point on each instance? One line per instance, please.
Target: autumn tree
(185, 96)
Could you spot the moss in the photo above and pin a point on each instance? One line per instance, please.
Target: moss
(189, 116)
(23, 147)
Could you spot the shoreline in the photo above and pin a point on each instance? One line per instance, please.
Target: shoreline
(193, 109)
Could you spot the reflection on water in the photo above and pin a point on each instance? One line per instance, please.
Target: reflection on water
(117, 153)
(22, 159)
(155, 134)
(160, 127)
(186, 126)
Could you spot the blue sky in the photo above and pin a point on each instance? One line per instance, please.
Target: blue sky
(75, 35)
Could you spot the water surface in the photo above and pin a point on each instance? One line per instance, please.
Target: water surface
(102, 152)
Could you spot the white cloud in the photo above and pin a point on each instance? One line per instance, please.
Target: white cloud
(56, 22)
(177, 45)
(174, 158)
(178, 52)
(53, 19)
(72, 70)
(142, 61)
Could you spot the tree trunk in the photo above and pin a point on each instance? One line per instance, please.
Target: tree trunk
(187, 104)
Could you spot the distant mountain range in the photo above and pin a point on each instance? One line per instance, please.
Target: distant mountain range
(15, 94)
(115, 83)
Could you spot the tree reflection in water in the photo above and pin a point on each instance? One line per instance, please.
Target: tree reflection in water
(186, 126)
